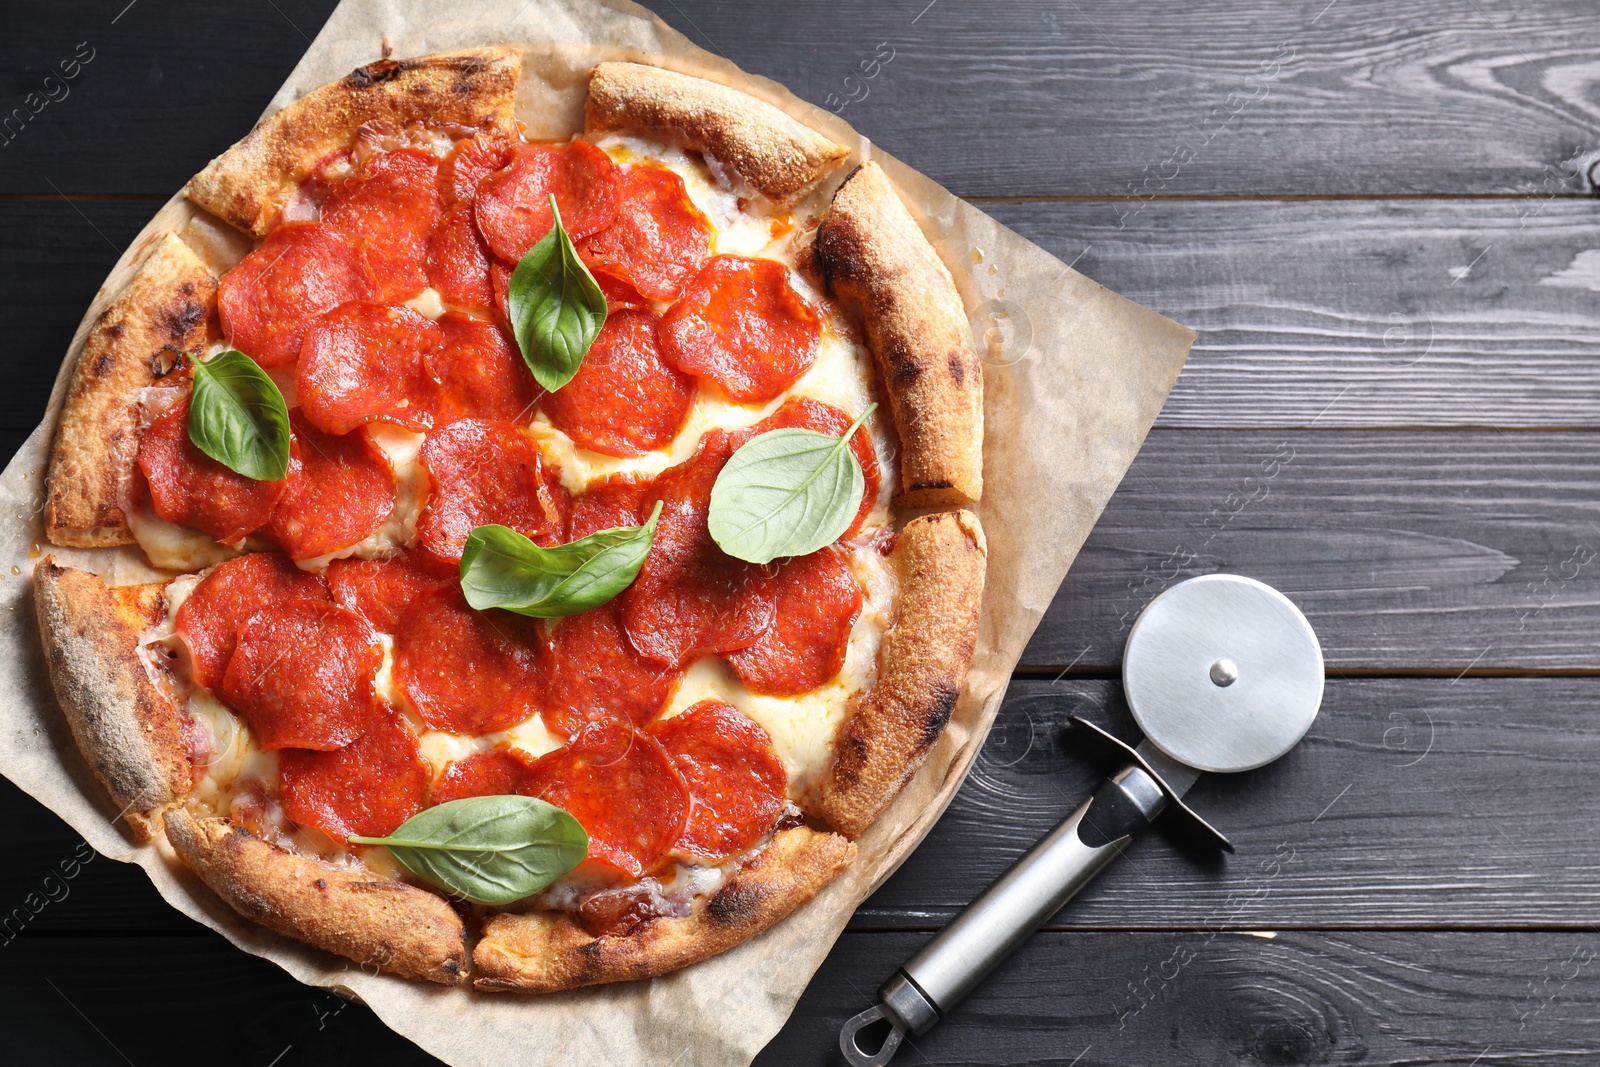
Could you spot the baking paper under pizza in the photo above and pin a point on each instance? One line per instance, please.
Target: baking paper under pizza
(312, 670)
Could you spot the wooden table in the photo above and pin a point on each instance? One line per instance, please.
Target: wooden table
(1379, 216)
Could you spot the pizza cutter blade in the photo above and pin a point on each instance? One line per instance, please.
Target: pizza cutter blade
(1223, 674)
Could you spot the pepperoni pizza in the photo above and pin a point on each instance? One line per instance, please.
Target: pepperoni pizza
(715, 728)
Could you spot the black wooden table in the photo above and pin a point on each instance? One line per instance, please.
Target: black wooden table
(1378, 214)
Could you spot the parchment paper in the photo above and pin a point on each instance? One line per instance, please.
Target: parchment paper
(1075, 375)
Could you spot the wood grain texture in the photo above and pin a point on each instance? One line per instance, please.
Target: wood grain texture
(168, 87)
(1380, 999)
(100, 1000)
(1435, 550)
(1284, 1000)
(1338, 313)
(1367, 97)
(1412, 802)
(54, 254)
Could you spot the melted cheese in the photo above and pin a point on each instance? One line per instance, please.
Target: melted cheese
(177, 548)
(802, 728)
(233, 752)
(735, 230)
(838, 377)
(400, 448)
(428, 303)
(440, 747)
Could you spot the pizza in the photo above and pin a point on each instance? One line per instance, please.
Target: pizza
(564, 543)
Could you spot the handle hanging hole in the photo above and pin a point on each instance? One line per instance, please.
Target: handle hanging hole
(862, 1027)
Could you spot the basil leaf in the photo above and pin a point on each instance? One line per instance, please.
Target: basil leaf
(555, 306)
(238, 417)
(500, 568)
(786, 493)
(489, 850)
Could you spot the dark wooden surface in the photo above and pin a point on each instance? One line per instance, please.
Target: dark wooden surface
(1379, 217)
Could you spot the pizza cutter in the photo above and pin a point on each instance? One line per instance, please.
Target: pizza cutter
(1223, 674)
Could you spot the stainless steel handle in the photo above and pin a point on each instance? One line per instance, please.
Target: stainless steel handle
(1018, 903)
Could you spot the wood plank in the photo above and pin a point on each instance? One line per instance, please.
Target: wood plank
(1406, 550)
(179, 1000)
(1109, 998)
(1164, 1000)
(166, 87)
(1211, 97)
(1193, 99)
(53, 256)
(1412, 803)
(57, 883)
(1407, 313)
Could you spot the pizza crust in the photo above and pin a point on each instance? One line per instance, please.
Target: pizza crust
(545, 952)
(873, 254)
(138, 340)
(769, 150)
(941, 561)
(249, 184)
(385, 925)
(129, 731)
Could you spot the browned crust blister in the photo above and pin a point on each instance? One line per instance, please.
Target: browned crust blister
(129, 731)
(543, 952)
(873, 254)
(249, 184)
(136, 341)
(940, 560)
(765, 147)
(384, 925)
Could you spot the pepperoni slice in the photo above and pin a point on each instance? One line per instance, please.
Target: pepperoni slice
(302, 271)
(364, 363)
(818, 602)
(487, 472)
(466, 671)
(618, 293)
(624, 400)
(326, 174)
(615, 500)
(737, 784)
(741, 326)
(478, 374)
(690, 598)
(210, 617)
(379, 590)
(191, 489)
(458, 261)
(513, 205)
(497, 773)
(597, 674)
(622, 788)
(341, 489)
(302, 675)
(388, 209)
(468, 163)
(658, 239)
(369, 787)
(804, 413)
(500, 282)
